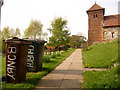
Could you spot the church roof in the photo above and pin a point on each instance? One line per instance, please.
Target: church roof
(111, 20)
(95, 7)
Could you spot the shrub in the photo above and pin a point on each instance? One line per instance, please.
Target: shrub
(58, 54)
(46, 58)
(53, 55)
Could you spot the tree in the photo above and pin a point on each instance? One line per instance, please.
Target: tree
(76, 40)
(0, 41)
(6, 32)
(45, 34)
(0, 34)
(12, 32)
(80, 34)
(34, 29)
(17, 32)
(59, 31)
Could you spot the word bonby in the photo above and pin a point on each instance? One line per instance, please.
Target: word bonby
(11, 61)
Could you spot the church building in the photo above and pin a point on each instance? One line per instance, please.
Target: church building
(102, 28)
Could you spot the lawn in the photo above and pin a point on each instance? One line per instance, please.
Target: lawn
(0, 66)
(33, 78)
(101, 56)
(101, 79)
(3, 65)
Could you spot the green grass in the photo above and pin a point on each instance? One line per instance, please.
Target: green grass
(101, 55)
(0, 66)
(101, 79)
(33, 78)
(46, 58)
(0, 46)
(3, 65)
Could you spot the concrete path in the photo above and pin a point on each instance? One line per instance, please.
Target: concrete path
(66, 76)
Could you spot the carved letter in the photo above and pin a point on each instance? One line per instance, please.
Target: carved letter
(12, 64)
(14, 57)
(10, 70)
(29, 65)
(11, 49)
(30, 51)
(12, 76)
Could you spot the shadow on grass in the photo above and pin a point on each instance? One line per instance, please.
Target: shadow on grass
(33, 81)
(50, 62)
(48, 70)
(88, 49)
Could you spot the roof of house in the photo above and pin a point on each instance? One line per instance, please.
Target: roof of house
(95, 7)
(111, 20)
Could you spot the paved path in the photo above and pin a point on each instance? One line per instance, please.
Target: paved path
(66, 76)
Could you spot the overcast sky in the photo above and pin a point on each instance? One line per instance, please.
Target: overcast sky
(18, 13)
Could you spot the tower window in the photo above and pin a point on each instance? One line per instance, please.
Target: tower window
(95, 16)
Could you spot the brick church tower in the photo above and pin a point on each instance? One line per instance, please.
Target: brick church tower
(95, 23)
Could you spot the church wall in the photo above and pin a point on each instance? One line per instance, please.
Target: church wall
(110, 33)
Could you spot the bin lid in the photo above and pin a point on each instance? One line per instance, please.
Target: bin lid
(17, 40)
(37, 41)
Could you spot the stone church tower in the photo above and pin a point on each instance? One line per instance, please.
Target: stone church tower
(95, 23)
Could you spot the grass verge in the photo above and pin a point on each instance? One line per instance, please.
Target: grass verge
(101, 55)
(101, 79)
(33, 78)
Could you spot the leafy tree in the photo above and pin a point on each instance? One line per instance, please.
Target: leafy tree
(59, 31)
(0, 35)
(76, 41)
(17, 32)
(6, 32)
(45, 34)
(0, 41)
(34, 29)
(12, 32)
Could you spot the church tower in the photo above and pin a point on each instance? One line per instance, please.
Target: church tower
(95, 23)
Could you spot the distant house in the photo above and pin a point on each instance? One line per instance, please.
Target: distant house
(102, 28)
